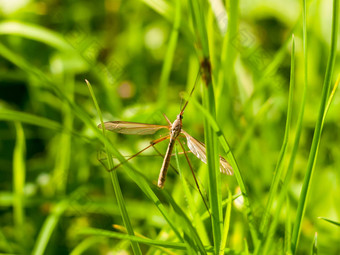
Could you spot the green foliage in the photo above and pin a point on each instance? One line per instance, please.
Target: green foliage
(265, 102)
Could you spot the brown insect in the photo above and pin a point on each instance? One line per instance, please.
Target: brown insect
(175, 130)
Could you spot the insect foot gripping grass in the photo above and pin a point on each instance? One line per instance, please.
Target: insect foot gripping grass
(175, 131)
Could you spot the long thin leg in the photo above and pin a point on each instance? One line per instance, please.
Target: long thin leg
(158, 154)
(193, 174)
(152, 143)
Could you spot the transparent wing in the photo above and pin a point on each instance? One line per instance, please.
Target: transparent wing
(132, 128)
(198, 149)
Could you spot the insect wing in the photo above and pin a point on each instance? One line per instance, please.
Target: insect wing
(198, 149)
(132, 128)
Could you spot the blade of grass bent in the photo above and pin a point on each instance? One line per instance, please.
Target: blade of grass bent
(19, 173)
(86, 244)
(11, 115)
(48, 227)
(317, 131)
(35, 32)
(115, 182)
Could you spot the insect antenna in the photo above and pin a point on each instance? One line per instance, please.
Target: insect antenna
(192, 91)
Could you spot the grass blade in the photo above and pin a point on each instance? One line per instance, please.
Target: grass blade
(86, 244)
(190, 234)
(330, 221)
(19, 176)
(198, 223)
(284, 190)
(35, 32)
(114, 178)
(12, 115)
(169, 57)
(315, 244)
(111, 234)
(231, 159)
(318, 129)
(48, 227)
(62, 162)
(215, 196)
(226, 224)
(288, 229)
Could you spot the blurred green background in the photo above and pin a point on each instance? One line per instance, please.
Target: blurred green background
(138, 64)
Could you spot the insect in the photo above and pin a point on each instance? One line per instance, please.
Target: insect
(175, 131)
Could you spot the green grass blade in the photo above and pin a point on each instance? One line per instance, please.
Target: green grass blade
(190, 234)
(198, 20)
(197, 221)
(288, 229)
(279, 165)
(111, 234)
(115, 182)
(62, 162)
(226, 223)
(19, 176)
(330, 221)
(330, 99)
(35, 32)
(31, 119)
(231, 159)
(215, 196)
(86, 244)
(318, 129)
(226, 78)
(284, 190)
(284, 193)
(169, 57)
(162, 7)
(315, 245)
(48, 227)
(224, 204)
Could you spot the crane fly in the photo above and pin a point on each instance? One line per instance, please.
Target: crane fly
(175, 130)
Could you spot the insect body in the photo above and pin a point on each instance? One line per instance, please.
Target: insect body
(175, 130)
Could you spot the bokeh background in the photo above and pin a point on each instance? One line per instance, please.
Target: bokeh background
(122, 48)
